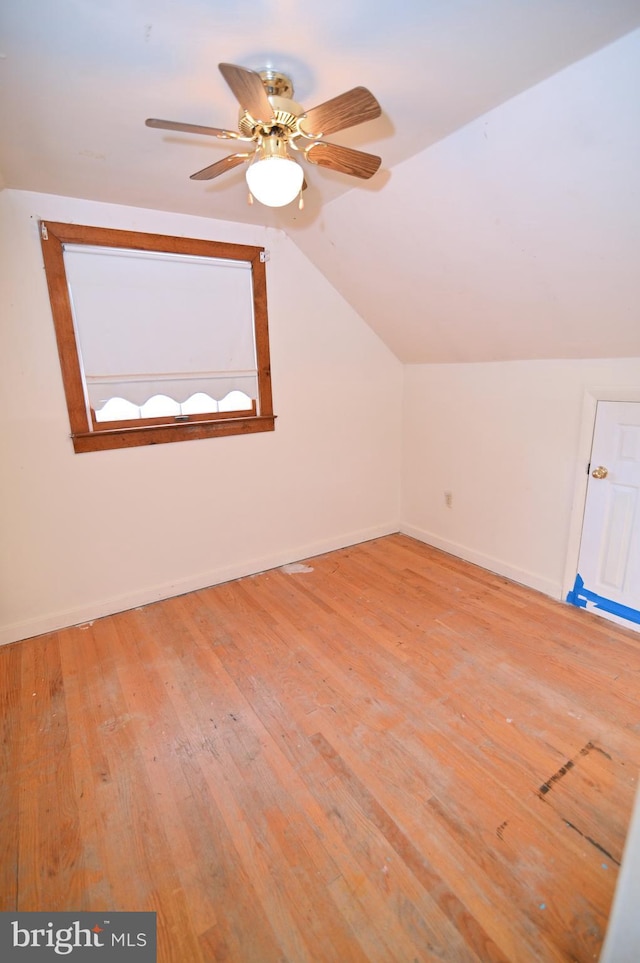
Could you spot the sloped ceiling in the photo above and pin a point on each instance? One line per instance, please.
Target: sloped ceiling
(505, 220)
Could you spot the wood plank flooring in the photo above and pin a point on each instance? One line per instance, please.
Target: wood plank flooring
(395, 756)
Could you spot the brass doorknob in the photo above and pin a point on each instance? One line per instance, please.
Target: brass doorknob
(600, 472)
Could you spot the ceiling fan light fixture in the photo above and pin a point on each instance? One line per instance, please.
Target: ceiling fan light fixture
(273, 177)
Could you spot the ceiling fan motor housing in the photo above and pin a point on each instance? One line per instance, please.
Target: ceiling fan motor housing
(276, 84)
(285, 115)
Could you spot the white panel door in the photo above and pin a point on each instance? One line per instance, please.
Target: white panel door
(608, 579)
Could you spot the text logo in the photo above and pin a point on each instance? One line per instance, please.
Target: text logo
(99, 937)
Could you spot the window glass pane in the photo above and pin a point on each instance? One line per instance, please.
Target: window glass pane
(138, 390)
(235, 401)
(158, 406)
(199, 404)
(117, 409)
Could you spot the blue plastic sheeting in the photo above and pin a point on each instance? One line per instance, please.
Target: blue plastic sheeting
(579, 596)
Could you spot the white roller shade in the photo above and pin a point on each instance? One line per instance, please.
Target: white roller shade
(149, 323)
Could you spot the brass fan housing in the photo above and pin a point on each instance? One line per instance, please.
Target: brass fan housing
(276, 84)
(279, 90)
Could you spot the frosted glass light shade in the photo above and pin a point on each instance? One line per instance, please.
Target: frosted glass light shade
(275, 181)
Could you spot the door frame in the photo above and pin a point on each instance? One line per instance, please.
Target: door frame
(585, 442)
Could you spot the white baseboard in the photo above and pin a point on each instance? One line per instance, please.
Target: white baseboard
(531, 579)
(98, 608)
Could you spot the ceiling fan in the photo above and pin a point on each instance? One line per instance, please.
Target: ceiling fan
(275, 124)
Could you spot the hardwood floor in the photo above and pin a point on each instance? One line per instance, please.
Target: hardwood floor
(396, 756)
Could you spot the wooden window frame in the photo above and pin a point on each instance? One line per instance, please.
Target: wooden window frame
(86, 433)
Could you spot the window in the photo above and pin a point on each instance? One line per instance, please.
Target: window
(160, 338)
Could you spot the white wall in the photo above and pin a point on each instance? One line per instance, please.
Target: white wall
(86, 535)
(622, 943)
(514, 237)
(507, 440)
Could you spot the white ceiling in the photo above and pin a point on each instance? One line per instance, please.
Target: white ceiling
(505, 220)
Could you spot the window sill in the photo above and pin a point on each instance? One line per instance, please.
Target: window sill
(106, 438)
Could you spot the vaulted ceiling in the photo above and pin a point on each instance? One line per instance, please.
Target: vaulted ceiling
(504, 222)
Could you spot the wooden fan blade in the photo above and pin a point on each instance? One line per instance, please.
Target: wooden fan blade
(189, 128)
(214, 170)
(248, 89)
(348, 109)
(343, 159)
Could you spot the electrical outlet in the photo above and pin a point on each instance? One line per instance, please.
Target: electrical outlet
(448, 499)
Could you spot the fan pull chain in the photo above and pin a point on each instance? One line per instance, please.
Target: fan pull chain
(301, 202)
(249, 198)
